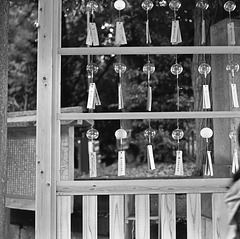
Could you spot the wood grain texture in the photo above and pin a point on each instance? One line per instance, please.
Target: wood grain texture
(194, 216)
(142, 212)
(168, 216)
(117, 219)
(89, 217)
(219, 216)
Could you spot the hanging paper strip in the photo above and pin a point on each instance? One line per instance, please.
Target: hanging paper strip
(92, 35)
(93, 97)
(120, 97)
(179, 163)
(208, 165)
(206, 97)
(234, 96)
(120, 37)
(203, 32)
(235, 164)
(148, 36)
(121, 163)
(176, 33)
(149, 99)
(150, 157)
(92, 160)
(231, 34)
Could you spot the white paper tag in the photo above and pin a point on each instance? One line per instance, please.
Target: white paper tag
(149, 98)
(121, 163)
(231, 34)
(92, 164)
(120, 37)
(92, 35)
(206, 97)
(234, 96)
(179, 163)
(235, 164)
(120, 97)
(208, 166)
(150, 157)
(176, 33)
(96, 97)
(91, 96)
(203, 32)
(148, 36)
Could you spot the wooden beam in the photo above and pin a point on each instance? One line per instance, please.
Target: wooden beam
(140, 186)
(150, 50)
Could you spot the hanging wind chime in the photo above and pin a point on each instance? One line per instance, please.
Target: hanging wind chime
(176, 37)
(177, 134)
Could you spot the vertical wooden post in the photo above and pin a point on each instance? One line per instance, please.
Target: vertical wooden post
(48, 127)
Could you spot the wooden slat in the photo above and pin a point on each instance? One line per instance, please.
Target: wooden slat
(168, 216)
(149, 115)
(150, 50)
(64, 217)
(18, 203)
(219, 216)
(142, 211)
(194, 216)
(117, 220)
(89, 217)
(149, 186)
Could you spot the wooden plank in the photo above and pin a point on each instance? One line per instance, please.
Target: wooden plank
(194, 216)
(64, 217)
(117, 220)
(18, 203)
(149, 115)
(89, 217)
(142, 211)
(150, 50)
(219, 216)
(141, 186)
(168, 216)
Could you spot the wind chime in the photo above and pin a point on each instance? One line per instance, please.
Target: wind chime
(120, 68)
(93, 97)
(177, 134)
(232, 69)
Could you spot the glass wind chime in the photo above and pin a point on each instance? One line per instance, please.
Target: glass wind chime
(93, 97)
(120, 68)
(149, 69)
(232, 69)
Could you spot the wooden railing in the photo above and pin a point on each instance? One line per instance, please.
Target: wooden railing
(125, 208)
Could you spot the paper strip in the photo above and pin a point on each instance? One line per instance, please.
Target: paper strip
(235, 164)
(92, 35)
(96, 98)
(203, 32)
(208, 165)
(120, 37)
(91, 96)
(176, 33)
(206, 97)
(231, 34)
(148, 36)
(179, 163)
(149, 99)
(92, 164)
(120, 97)
(150, 157)
(234, 96)
(121, 163)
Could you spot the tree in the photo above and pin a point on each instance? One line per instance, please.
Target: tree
(4, 7)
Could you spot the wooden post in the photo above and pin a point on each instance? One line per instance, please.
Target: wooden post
(222, 99)
(48, 127)
(4, 6)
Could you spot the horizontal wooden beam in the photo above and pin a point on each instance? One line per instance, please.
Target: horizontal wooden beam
(141, 186)
(154, 50)
(149, 115)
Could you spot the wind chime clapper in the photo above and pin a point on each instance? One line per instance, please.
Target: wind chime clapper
(176, 37)
(203, 5)
(149, 69)
(204, 69)
(147, 5)
(120, 68)
(230, 6)
(120, 135)
(233, 138)
(120, 36)
(207, 133)
(92, 134)
(150, 134)
(93, 97)
(232, 69)
(92, 34)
